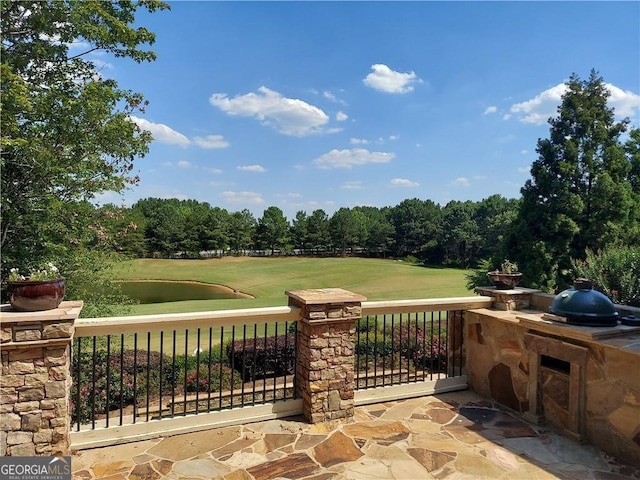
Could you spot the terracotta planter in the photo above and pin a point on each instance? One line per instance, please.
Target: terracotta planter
(504, 281)
(35, 295)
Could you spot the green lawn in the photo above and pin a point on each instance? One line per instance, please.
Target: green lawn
(268, 278)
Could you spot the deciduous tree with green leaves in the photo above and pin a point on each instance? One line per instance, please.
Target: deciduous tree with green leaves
(66, 132)
(582, 194)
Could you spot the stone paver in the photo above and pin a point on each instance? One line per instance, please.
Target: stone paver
(450, 436)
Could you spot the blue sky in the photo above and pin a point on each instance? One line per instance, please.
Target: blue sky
(337, 104)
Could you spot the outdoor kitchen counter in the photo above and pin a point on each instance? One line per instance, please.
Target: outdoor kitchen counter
(582, 380)
(621, 337)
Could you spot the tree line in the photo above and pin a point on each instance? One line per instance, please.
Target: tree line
(459, 234)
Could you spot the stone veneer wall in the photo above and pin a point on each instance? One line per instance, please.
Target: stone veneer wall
(36, 381)
(499, 352)
(325, 355)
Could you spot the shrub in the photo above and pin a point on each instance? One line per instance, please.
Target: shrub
(190, 362)
(412, 260)
(97, 397)
(94, 395)
(367, 324)
(614, 271)
(212, 378)
(263, 356)
(433, 357)
(142, 362)
(478, 276)
(373, 347)
(414, 340)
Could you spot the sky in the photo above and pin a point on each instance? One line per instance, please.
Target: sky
(323, 105)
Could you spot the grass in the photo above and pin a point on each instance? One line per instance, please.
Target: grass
(268, 278)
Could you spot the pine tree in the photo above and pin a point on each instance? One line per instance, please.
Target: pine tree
(580, 195)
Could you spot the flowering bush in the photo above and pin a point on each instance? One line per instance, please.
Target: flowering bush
(93, 396)
(95, 401)
(207, 379)
(46, 272)
(412, 344)
(261, 357)
(432, 357)
(418, 343)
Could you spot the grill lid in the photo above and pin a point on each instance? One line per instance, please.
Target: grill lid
(582, 305)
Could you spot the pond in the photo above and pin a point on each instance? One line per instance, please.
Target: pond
(160, 291)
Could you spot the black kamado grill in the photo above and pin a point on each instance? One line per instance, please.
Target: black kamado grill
(582, 305)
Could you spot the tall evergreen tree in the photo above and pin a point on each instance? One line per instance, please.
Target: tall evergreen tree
(242, 227)
(318, 232)
(580, 195)
(273, 229)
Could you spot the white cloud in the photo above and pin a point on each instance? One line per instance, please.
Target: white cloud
(252, 168)
(526, 169)
(390, 138)
(386, 80)
(183, 164)
(341, 116)
(524, 152)
(404, 182)
(349, 158)
(78, 45)
(211, 141)
(359, 141)
(541, 107)
(462, 182)
(490, 109)
(327, 94)
(626, 103)
(161, 132)
(217, 171)
(544, 105)
(355, 185)
(247, 198)
(288, 116)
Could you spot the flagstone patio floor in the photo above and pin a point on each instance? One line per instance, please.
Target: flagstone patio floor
(454, 436)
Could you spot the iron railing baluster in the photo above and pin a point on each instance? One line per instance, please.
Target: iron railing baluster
(174, 376)
(108, 404)
(135, 376)
(121, 376)
(209, 369)
(186, 368)
(149, 372)
(253, 362)
(197, 370)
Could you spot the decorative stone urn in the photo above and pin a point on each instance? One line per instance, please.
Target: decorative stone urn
(504, 281)
(35, 295)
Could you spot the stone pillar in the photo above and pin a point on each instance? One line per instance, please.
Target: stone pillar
(325, 351)
(518, 298)
(35, 386)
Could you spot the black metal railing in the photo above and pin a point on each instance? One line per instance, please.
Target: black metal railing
(132, 377)
(394, 349)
